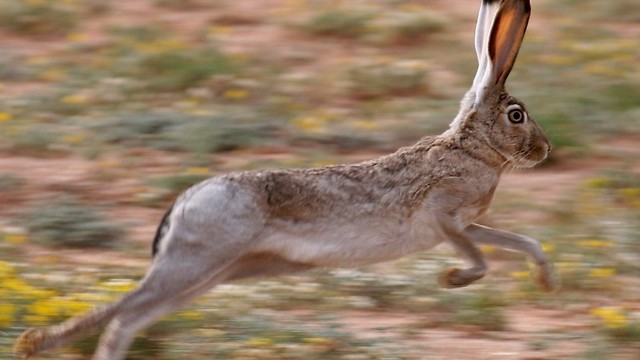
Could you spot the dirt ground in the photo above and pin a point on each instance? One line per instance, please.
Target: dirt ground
(527, 324)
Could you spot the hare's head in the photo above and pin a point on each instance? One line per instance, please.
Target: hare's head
(488, 112)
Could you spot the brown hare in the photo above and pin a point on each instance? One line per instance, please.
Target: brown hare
(268, 223)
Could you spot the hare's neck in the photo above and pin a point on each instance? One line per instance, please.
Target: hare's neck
(477, 146)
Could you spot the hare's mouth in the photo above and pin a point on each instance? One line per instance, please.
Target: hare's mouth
(528, 160)
(525, 163)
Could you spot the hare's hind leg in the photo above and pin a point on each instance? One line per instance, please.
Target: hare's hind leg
(454, 278)
(170, 283)
(166, 287)
(520, 243)
(151, 304)
(211, 228)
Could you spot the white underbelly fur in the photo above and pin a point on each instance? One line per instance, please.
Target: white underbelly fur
(349, 244)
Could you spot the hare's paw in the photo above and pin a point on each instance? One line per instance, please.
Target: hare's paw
(546, 277)
(455, 278)
(29, 343)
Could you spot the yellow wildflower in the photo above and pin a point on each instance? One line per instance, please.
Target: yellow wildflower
(602, 272)
(324, 162)
(309, 123)
(363, 124)
(75, 99)
(559, 60)
(120, 285)
(15, 238)
(74, 139)
(568, 267)
(162, 46)
(53, 75)
(599, 69)
(198, 170)
(613, 318)
(191, 315)
(46, 259)
(92, 298)
(7, 310)
(77, 37)
(487, 249)
(630, 192)
(236, 94)
(548, 247)
(71, 306)
(6, 269)
(519, 274)
(598, 183)
(317, 341)
(5, 116)
(15, 284)
(262, 342)
(220, 30)
(109, 164)
(595, 243)
(37, 60)
(44, 309)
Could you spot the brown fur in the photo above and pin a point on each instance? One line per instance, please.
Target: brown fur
(276, 222)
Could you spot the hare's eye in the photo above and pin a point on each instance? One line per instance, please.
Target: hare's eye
(516, 116)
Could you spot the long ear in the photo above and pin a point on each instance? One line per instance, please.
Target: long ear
(506, 37)
(487, 13)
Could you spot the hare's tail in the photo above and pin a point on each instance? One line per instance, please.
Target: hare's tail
(35, 340)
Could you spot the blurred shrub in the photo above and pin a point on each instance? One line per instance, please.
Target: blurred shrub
(13, 68)
(160, 61)
(378, 79)
(562, 132)
(220, 133)
(66, 221)
(178, 69)
(407, 27)
(37, 140)
(482, 309)
(179, 132)
(179, 4)
(140, 129)
(9, 181)
(170, 186)
(45, 17)
(623, 97)
(621, 10)
(139, 33)
(338, 22)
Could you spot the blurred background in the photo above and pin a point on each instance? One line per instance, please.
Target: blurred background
(109, 109)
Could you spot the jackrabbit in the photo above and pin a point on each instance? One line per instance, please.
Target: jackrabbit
(268, 223)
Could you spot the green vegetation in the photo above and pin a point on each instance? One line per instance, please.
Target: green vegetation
(65, 221)
(10, 182)
(38, 17)
(146, 106)
(384, 79)
(339, 22)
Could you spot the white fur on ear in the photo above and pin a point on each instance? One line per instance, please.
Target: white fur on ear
(486, 15)
(499, 32)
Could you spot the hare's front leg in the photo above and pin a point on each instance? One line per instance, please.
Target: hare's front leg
(520, 243)
(454, 278)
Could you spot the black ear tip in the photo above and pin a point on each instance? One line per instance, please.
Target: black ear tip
(489, 2)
